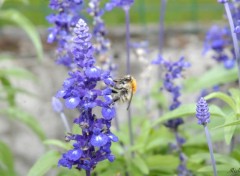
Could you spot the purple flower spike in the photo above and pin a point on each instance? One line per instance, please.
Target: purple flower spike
(174, 71)
(202, 112)
(81, 91)
(63, 21)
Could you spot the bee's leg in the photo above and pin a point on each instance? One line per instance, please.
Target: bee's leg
(129, 102)
(116, 98)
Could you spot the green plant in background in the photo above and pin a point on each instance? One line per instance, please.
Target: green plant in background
(9, 91)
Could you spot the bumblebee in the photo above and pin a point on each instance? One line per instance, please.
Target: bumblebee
(124, 89)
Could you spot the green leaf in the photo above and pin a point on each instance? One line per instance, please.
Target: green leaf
(237, 122)
(18, 18)
(229, 130)
(222, 169)
(140, 164)
(57, 143)
(222, 96)
(217, 75)
(6, 160)
(15, 90)
(44, 164)
(186, 111)
(17, 73)
(7, 88)
(236, 97)
(70, 172)
(166, 163)
(158, 96)
(220, 158)
(24, 117)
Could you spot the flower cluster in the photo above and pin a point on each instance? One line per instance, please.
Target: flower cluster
(118, 3)
(174, 71)
(218, 39)
(80, 91)
(102, 44)
(222, 1)
(64, 20)
(99, 30)
(202, 112)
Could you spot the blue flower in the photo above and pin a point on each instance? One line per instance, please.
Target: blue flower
(223, 1)
(202, 112)
(118, 3)
(218, 39)
(81, 91)
(174, 71)
(61, 32)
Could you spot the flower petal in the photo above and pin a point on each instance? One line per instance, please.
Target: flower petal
(72, 102)
(99, 140)
(108, 113)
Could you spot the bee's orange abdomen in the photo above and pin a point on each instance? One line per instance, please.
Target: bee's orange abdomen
(134, 85)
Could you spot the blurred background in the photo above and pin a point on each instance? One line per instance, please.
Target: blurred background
(143, 11)
(34, 77)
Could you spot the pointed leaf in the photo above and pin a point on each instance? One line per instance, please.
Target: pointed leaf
(18, 18)
(237, 122)
(44, 164)
(222, 96)
(220, 158)
(166, 163)
(24, 117)
(18, 73)
(10, 95)
(140, 164)
(222, 169)
(229, 130)
(6, 160)
(57, 143)
(186, 111)
(217, 75)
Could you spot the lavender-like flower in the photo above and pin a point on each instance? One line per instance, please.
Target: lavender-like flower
(218, 39)
(174, 71)
(80, 91)
(118, 3)
(99, 30)
(202, 112)
(232, 19)
(102, 44)
(203, 116)
(64, 20)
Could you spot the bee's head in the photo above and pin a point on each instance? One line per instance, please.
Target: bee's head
(128, 78)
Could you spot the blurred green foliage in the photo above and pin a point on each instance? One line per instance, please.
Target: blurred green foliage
(143, 11)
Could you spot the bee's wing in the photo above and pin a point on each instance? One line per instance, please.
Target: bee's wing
(129, 102)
